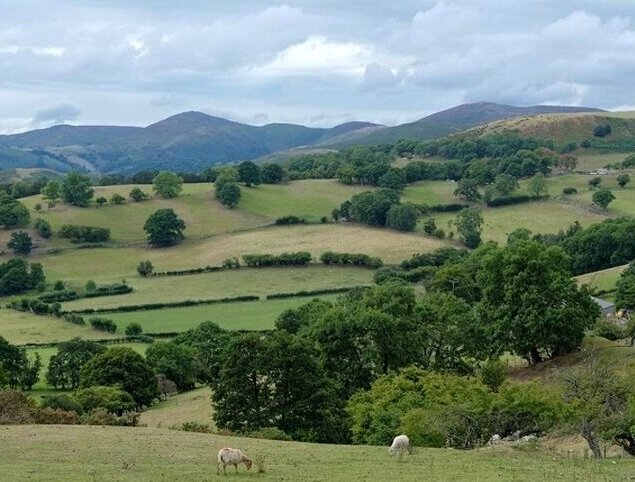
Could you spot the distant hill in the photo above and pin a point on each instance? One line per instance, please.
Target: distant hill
(189, 141)
(450, 121)
(569, 128)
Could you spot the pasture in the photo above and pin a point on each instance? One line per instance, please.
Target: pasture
(603, 280)
(77, 266)
(248, 315)
(192, 406)
(20, 328)
(245, 281)
(82, 453)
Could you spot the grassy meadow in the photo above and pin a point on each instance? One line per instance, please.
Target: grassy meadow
(81, 453)
(192, 406)
(248, 315)
(20, 328)
(603, 280)
(247, 281)
(77, 266)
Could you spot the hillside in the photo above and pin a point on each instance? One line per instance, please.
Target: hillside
(450, 121)
(189, 141)
(85, 453)
(565, 128)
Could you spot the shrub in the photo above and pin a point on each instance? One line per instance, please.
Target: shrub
(269, 433)
(509, 200)
(109, 290)
(356, 259)
(609, 330)
(74, 318)
(61, 402)
(59, 285)
(301, 258)
(15, 407)
(137, 195)
(43, 228)
(60, 295)
(145, 268)
(101, 416)
(88, 234)
(55, 416)
(569, 190)
(103, 324)
(133, 329)
(196, 427)
(117, 198)
(90, 285)
(493, 373)
(286, 220)
(112, 399)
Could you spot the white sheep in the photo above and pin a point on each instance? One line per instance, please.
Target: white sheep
(227, 456)
(400, 444)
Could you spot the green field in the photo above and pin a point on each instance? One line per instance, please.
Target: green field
(112, 264)
(310, 199)
(19, 328)
(603, 280)
(251, 315)
(540, 217)
(589, 161)
(430, 192)
(192, 406)
(246, 281)
(81, 453)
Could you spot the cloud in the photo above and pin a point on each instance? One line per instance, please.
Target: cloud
(57, 114)
(377, 76)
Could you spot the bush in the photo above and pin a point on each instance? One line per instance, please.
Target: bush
(101, 416)
(304, 293)
(301, 258)
(196, 427)
(43, 228)
(61, 402)
(55, 416)
(609, 330)
(109, 290)
(493, 373)
(74, 318)
(59, 285)
(103, 324)
(286, 220)
(117, 198)
(90, 285)
(355, 259)
(569, 190)
(59, 296)
(509, 200)
(15, 407)
(112, 399)
(269, 433)
(145, 268)
(88, 234)
(133, 329)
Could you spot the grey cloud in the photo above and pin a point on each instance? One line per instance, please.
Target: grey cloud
(57, 114)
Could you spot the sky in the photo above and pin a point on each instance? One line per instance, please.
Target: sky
(310, 62)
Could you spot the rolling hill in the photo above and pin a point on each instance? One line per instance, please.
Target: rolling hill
(189, 141)
(450, 121)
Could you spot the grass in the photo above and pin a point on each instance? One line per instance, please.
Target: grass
(245, 281)
(589, 160)
(251, 315)
(310, 199)
(540, 217)
(603, 280)
(81, 453)
(192, 406)
(203, 215)
(77, 266)
(430, 192)
(19, 328)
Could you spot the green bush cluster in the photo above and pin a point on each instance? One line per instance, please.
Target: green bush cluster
(301, 258)
(87, 234)
(355, 259)
(304, 293)
(108, 290)
(287, 220)
(157, 306)
(103, 324)
(516, 199)
(59, 296)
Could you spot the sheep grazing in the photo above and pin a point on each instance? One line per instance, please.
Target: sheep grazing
(227, 456)
(400, 444)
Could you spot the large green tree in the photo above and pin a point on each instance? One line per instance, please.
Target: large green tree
(467, 189)
(175, 361)
(76, 190)
(124, 367)
(20, 243)
(402, 217)
(469, 226)
(272, 173)
(505, 184)
(12, 213)
(530, 303)
(65, 366)
(538, 185)
(52, 191)
(164, 228)
(229, 194)
(249, 173)
(603, 198)
(167, 184)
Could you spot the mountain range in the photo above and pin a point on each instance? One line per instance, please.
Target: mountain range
(191, 141)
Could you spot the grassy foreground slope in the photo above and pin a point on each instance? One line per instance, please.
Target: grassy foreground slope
(84, 453)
